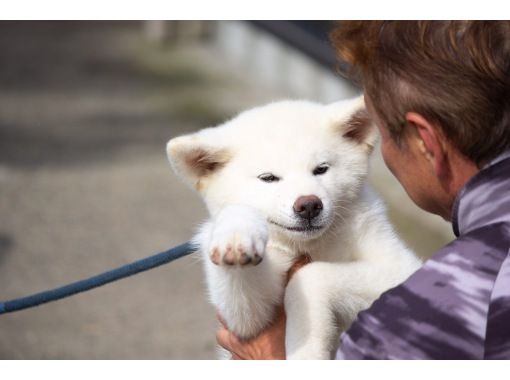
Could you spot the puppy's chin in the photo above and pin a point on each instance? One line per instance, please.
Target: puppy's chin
(301, 232)
(305, 235)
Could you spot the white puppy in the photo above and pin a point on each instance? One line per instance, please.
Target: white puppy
(280, 181)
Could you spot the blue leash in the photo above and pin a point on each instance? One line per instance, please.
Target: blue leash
(98, 280)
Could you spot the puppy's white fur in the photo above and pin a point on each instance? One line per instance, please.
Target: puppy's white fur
(355, 253)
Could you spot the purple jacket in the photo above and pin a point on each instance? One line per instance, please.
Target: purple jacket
(457, 306)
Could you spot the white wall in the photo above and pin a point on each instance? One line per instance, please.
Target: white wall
(277, 64)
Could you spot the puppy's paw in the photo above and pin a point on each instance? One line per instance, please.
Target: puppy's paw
(239, 237)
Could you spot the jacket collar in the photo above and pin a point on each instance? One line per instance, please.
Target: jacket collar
(485, 199)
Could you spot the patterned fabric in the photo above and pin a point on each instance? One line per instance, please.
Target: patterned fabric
(457, 306)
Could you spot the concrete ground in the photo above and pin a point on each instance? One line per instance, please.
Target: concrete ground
(85, 112)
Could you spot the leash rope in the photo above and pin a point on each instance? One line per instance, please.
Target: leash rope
(98, 280)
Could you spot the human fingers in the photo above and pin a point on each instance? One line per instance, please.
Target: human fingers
(229, 342)
(300, 262)
(221, 320)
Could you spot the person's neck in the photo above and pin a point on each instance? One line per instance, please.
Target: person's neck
(461, 170)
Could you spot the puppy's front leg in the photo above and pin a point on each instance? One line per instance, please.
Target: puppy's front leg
(323, 299)
(244, 283)
(310, 319)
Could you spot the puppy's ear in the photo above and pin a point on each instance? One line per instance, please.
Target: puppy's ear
(351, 119)
(195, 158)
(361, 129)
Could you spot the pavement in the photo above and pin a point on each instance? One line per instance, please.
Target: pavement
(85, 112)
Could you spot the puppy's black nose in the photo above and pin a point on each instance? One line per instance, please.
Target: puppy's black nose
(308, 206)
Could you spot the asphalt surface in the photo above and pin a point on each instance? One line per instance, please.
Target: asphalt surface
(85, 113)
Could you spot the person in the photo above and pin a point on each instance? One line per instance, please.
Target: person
(439, 93)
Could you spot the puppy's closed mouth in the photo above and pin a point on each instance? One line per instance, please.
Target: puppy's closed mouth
(297, 228)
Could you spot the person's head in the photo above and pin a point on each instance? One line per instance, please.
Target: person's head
(438, 90)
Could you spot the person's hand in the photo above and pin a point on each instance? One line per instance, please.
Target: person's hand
(270, 343)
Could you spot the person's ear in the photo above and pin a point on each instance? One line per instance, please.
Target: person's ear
(429, 141)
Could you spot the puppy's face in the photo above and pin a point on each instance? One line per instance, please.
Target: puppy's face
(297, 162)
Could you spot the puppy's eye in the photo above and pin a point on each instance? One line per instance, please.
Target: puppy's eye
(321, 169)
(268, 177)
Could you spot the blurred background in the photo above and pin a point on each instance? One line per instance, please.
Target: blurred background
(86, 109)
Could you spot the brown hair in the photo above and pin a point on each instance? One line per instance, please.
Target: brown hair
(454, 73)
